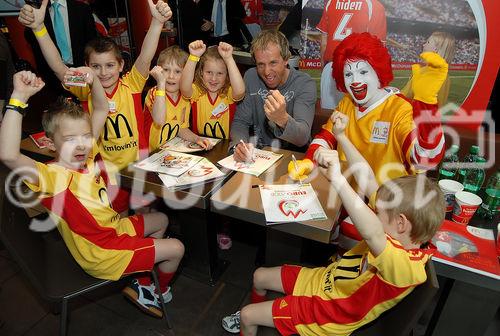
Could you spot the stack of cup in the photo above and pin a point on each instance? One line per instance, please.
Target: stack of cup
(466, 204)
(463, 203)
(450, 188)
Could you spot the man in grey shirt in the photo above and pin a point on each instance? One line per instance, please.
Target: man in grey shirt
(278, 107)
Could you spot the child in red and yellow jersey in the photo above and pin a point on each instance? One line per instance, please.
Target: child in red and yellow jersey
(217, 86)
(166, 111)
(367, 280)
(73, 189)
(122, 140)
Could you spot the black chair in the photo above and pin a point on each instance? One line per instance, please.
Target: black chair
(47, 263)
(401, 319)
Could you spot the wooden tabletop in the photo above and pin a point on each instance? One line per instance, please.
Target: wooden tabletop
(237, 198)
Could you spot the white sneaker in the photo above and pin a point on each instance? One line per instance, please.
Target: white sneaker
(144, 298)
(231, 323)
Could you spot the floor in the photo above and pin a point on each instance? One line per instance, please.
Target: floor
(196, 308)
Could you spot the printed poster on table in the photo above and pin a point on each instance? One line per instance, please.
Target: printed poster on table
(262, 161)
(169, 162)
(290, 203)
(180, 145)
(467, 247)
(203, 171)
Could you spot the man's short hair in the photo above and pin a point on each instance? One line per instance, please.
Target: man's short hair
(101, 45)
(63, 107)
(261, 41)
(362, 46)
(173, 54)
(426, 215)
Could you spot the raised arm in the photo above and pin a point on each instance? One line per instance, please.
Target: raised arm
(363, 173)
(160, 13)
(196, 49)
(226, 52)
(26, 84)
(33, 18)
(366, 221)
(425, 145)
(158, 111)
(100, 105)
(293, 126)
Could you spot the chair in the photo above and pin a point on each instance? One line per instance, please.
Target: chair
(47, 263)
(401, 319)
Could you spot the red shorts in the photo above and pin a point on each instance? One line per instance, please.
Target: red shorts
(282, 316)
(144, 249)
(123, 200)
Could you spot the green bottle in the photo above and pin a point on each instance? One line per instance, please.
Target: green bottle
(491, 203)
(471, 157)
(451, 156)
(474, 177)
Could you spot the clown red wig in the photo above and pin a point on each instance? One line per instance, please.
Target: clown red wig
(362, 46)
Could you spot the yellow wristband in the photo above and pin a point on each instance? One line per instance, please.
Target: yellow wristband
(160, 93)
(15, 102)
(193, 58)
(41, 32)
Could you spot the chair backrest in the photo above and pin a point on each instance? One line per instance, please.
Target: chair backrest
(43, 257)
(401, 319)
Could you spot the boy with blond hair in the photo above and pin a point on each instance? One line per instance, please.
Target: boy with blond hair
(166, 111)
(367, 280)
(73, 189)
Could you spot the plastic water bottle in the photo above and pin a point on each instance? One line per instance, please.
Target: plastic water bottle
(491, 203)
(471, 157)
(474, 177)
(446, 172)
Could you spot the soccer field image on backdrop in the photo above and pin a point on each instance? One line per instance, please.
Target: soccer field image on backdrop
(461, 82)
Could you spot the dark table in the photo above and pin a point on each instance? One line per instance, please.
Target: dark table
(198, 230)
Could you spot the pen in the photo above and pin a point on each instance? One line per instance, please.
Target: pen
(248, 151)
(296, 168)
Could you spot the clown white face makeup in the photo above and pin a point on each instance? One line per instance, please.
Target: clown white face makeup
(361, 82)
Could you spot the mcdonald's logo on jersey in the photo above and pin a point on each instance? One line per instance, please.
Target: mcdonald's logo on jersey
(211, 130)
(171, 132)
(103, 196)
(115, 124)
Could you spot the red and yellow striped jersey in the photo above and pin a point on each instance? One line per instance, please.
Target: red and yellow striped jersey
(356, 289)
(93, 232)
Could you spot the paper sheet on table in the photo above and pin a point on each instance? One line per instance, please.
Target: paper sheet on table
(180, 145)
(263, 160)
(290, 203)
(169, 162)
(204, 171)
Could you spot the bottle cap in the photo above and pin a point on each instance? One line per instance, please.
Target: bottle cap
(454, 149)
(474, 149)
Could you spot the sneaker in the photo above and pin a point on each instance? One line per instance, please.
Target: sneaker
(231, 323)
(167, 295)
(224, 241)
(144, 298)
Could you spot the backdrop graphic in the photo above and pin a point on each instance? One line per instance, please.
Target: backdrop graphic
(409, 23)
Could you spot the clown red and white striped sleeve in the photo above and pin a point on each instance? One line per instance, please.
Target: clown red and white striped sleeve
(426, 143)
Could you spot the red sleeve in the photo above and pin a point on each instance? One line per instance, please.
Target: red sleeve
(427, 140)
(378, 23)
(323, 139)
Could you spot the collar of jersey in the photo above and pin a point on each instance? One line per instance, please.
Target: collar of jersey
(360, 114)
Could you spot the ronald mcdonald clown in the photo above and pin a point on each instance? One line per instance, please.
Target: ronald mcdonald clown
(396, 136)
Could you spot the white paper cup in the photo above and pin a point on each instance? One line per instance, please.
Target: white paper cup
(450, 188)
(466, 204)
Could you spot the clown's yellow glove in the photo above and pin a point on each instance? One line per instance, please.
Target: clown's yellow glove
(304, 167)
(427, 80)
